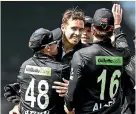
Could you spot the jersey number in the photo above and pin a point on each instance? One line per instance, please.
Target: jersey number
(114, 82)
(42, 93)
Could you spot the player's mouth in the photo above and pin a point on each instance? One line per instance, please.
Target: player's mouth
(85, 38)
(75, 38)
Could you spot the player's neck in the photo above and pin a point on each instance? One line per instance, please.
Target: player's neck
(43, 51)
(96, 39)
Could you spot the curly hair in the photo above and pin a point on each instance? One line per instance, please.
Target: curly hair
(73, 13)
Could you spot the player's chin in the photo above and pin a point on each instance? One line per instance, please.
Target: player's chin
(85, 40)
(74, 41)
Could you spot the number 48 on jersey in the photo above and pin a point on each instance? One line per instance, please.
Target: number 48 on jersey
(29, 95)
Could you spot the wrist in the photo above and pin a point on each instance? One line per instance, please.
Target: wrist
(16, 106)
(116, 26)
(117, 31)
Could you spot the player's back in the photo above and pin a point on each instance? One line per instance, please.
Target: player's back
(100, 82)
(36, 79)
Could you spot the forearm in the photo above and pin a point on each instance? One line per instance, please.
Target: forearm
(73, 87)
(120, 37)
(122, 44)
(69, 98)
(74, 82)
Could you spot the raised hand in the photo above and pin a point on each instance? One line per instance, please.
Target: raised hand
(117, 13)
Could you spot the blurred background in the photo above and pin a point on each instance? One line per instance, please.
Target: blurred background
(20, 19)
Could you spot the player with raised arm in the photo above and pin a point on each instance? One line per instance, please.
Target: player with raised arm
(96, 71)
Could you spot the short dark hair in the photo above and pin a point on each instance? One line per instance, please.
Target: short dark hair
(73, 13)
(88, 21)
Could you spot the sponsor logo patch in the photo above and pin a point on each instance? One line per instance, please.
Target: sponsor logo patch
(44, 71)
(109, 60)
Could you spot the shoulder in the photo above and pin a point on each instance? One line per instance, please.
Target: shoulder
(91, 49)
(27, 62)
(87, 53)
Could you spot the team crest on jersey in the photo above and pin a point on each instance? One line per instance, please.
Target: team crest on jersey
(104, 20)
(36, 70)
